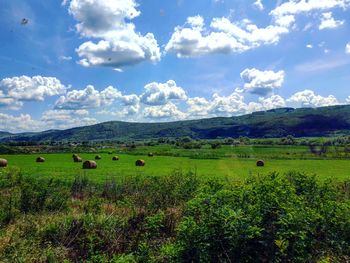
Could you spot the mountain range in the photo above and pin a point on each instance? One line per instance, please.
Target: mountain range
(301, 122)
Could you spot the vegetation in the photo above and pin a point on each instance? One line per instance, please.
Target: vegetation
(275, 123)
(176, 218)
(237, 165)
(193, 201)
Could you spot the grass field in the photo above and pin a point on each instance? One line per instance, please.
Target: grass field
(61, 166)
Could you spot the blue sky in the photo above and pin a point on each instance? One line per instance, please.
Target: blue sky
(80, 62)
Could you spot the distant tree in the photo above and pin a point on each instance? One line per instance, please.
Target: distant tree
(215, 145)
(244, 140)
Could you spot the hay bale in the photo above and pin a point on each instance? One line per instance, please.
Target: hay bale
(3, 162)
(150, 154)
(77, 159)
(260, 163)
(75, 155)
(98, 157)
(40, 160)
(89, 165)
(140, 163)
(115, 158)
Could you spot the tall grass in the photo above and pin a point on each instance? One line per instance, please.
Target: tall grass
(174, 218)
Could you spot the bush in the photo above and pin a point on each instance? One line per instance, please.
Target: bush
(175, 218)
(273, 218)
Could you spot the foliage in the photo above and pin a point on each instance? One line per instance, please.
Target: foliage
(277, 123)
(174, 218)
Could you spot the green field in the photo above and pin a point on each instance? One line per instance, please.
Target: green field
(61, 166)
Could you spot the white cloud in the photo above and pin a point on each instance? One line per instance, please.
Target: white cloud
(328, 22)
(227, 105)
(65, 58)
(64, 119)
(119, 44)
(293, 7)
(258, 4)
(347, 48)
(224, 37)
(309, 46)
(127, 50)
(23, 122)
(9, 103)
(52, 119)
(308, 98)
(262, 82)
(162, 93)
(168, 111)
(198, 107)
(26, 88)
(87, 98)
(273, 102)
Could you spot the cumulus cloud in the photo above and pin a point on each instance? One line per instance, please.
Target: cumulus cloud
(13, 91)
(23, 122)
(262, 82)
(227, 105)
(119, 43)
(9, 103)
(168, 111)
(52, 119)
(273, 102)
(225, 36)
(87, 98)
(162, 93)
(293, 7)
(328, 22)
(308, 98)
(64, 119)
(263, 104)
(198, 107)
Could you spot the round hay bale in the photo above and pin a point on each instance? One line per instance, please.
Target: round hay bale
(260, 163)
(89, 165)
(150, 154)
(115, 158)
(40, 160)
(98, 157)
(3, 162)
(140, 163)
(77, 159)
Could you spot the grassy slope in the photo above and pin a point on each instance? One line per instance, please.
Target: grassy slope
(275, 123)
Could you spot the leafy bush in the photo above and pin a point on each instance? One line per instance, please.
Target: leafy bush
(175, 218)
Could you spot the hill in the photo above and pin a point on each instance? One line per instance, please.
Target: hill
(303, 122)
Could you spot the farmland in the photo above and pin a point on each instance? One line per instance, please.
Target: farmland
(56, 211)
(233, 163)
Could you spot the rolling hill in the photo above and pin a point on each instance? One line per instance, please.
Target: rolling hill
(303, 122)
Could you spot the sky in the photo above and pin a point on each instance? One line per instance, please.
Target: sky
(72, 63)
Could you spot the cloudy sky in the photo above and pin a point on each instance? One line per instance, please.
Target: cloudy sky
(79, 62)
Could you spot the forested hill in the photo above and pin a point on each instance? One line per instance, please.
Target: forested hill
(304, 122)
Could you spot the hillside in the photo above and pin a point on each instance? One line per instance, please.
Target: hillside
(305, 122)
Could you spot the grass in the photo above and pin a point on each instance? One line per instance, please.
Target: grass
(61, 166)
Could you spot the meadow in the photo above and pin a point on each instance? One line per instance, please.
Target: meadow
(185, 205)
(232, 163)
